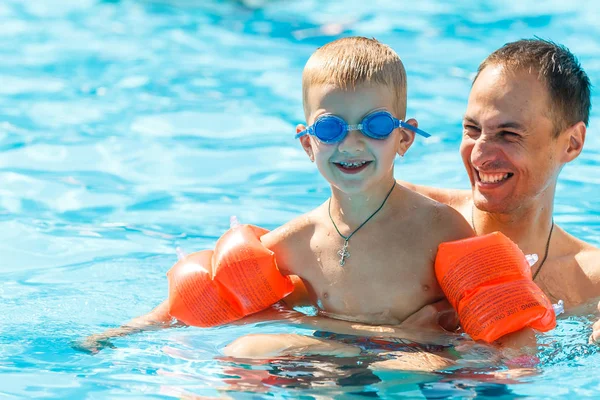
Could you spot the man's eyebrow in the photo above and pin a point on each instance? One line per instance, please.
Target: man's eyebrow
(470, 120)
(509, 125)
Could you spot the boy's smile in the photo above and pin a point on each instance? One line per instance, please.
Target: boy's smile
(352, 167)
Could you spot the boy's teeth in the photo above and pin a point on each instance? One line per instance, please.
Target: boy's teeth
(492, 178)
(352, 164)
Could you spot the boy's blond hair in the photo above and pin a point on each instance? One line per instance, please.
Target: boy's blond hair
(352, 61)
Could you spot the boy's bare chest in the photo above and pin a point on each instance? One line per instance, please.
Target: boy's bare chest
(376, 279)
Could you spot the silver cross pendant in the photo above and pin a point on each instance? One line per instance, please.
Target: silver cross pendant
(344, 253)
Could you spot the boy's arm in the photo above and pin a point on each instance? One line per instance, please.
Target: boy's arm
(300, 296)
(516, 348)
(282, 241)
(156, 319)
(290, 243)
(449, 225)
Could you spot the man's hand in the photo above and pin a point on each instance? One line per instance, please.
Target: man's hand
(595, 336)
(434, 316)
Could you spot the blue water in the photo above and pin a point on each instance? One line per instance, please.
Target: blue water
(128, 128)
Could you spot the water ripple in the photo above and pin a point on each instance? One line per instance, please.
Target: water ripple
(130, 128)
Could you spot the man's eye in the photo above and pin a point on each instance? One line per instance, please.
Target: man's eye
(509, 135)
(471, 130)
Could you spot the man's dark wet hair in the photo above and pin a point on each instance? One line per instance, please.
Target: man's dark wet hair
(567, 83)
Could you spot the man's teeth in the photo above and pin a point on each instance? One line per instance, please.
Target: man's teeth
(353, 164)
(492, 178)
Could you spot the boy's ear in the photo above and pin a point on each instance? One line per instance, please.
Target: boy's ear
(574, 140)
(407, 137)
(305, 142)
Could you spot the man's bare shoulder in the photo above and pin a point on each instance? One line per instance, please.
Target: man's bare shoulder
(589, 260)
(575, 268)
(455, 198)
(587, 256)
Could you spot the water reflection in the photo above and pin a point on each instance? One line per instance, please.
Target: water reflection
(331, 376)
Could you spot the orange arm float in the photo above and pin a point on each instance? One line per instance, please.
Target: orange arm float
(240, 277)
(488, 281)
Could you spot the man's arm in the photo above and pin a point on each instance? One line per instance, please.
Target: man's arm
(419, 334)
(591, 265)
(455, 198)
(595, 337)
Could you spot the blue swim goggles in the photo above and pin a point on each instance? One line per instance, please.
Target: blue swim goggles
(329, 128)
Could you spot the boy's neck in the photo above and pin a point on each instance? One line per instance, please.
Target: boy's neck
(351, 210)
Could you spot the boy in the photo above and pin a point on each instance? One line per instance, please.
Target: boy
(367, 253)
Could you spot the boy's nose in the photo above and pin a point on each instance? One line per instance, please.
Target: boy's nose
(353, 142)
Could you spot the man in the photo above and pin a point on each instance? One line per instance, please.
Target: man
(526, 118)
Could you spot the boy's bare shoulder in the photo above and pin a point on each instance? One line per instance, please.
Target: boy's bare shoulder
(442, 221)
(291, 241)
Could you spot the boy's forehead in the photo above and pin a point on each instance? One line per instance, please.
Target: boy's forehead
(352, 100)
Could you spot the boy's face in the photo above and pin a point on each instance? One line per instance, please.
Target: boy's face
(357, 163)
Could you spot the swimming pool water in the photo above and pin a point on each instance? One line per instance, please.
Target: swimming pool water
(128, 128)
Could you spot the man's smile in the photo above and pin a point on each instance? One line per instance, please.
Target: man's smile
(491, 179)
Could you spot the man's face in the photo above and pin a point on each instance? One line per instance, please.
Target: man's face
(508, 145)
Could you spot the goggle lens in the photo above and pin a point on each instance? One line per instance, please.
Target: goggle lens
(329, 129)
(379, 126)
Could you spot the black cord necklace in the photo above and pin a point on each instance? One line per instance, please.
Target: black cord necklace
(344, 253)
(547, 242)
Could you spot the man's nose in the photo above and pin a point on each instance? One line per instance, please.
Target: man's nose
(354, 142)
(484, 151)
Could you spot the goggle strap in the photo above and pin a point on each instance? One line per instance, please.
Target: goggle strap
(412, 128)
(302, 133)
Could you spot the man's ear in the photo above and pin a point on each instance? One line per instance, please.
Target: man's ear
(305, 142)
(574, 140)
(407, 137)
